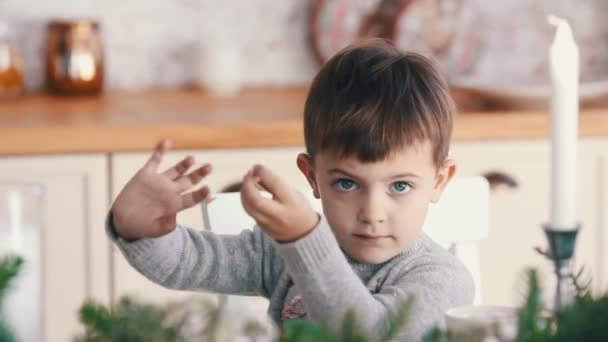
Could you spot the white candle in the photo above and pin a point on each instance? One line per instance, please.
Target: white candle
(564, 66)
(15, 214)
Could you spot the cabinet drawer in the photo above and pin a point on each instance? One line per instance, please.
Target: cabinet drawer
(74, 249)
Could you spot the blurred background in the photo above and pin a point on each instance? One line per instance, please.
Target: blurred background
(163, 44)
(88, 87)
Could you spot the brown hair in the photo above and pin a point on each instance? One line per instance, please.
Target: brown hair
(371, 99)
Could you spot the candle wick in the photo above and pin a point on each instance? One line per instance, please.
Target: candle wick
(555, 20)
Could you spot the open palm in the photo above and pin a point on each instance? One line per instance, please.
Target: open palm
(148, 205)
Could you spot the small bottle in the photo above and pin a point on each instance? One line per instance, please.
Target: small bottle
(11, 65)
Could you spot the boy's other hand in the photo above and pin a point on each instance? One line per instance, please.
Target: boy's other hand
(148, 204)
(287, 216)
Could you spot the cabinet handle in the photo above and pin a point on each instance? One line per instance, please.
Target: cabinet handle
(232, 187)
(499, 180)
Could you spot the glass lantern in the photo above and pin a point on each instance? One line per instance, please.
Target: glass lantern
(21, 233)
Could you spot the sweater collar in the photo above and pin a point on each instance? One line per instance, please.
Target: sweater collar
(364, 269)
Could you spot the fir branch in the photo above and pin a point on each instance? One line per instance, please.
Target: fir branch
(544, 252)
(128, 320)
(584, 320)
(351, 332)
(9, 268)
(435, 335)
(582, 290)
(301, 330)
(96, 318)
(398, 320)
(530, 328)
(6, 332)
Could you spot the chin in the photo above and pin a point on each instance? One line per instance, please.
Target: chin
(376, 258)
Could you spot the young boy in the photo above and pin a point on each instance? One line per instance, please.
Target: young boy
(377, 127)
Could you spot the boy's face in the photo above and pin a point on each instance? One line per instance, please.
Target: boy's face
(377, 209)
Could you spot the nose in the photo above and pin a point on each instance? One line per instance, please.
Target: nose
(372, 209)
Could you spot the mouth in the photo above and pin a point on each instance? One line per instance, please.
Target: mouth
(371, 237)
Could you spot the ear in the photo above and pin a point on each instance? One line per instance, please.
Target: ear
(305, 165)
(444, 175)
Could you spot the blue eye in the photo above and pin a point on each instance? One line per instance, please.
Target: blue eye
(346, 184)
(401, 187)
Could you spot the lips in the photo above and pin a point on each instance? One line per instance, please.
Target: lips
(370, 237)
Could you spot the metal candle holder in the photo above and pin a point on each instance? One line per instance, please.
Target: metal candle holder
(561, 250)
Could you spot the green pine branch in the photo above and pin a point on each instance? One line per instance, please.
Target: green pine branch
(6, 332)
(582, 287)
(531, 328)
(585, 320)
(128, 320)
(350, 331)
(301, 330)
(9, 268)
(398, 320)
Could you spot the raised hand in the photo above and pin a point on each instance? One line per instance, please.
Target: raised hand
(287, 216)
(148, 204)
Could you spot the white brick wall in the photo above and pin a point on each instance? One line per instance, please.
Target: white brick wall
(155, 43)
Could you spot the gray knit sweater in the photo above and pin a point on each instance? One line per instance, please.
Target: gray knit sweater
(311, 278)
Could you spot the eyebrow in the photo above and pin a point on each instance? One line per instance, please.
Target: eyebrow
(401, 175)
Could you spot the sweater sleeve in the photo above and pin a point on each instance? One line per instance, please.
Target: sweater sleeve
(329, 287)
(435, 286)
(188, 259)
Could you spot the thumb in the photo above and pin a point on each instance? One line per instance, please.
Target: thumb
(271, 182)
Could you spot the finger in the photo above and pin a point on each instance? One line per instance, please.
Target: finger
(256, 205)
(157, 156)
(188, 181)
(193, 198)
(271, 182)
(247, 198)
(180, 168)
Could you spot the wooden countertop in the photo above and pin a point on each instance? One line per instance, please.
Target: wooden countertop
(124, 121)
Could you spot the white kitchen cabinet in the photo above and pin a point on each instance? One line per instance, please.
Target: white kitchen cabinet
(516, 214)
(75, 252)
(601, 252)
(229, 166)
